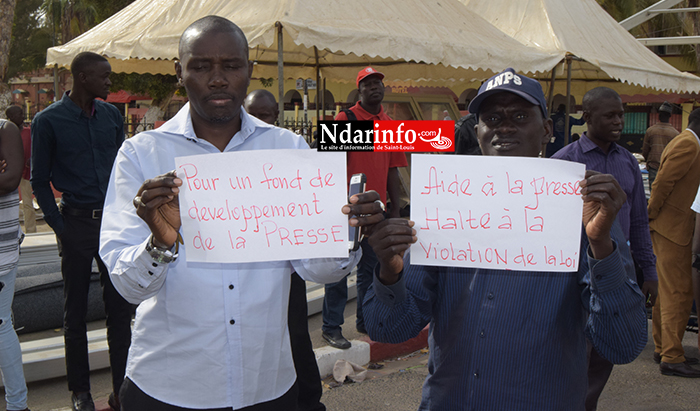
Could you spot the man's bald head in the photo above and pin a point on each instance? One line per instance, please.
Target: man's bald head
(262, 104)
(16, 115)
(210, 25)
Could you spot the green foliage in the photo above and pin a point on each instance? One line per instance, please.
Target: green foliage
(267, 82)
(29, 38)
(158, 86)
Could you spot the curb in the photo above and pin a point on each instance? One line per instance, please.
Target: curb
(364, 351)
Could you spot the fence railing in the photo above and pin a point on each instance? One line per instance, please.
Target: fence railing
(304, 128)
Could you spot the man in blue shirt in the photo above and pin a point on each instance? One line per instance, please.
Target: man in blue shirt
(598, 150)
(558, 129)
(512, 340)
(74, 143)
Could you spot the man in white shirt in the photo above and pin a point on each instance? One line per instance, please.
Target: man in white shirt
(207, 336)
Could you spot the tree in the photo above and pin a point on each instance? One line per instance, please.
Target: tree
(69, 18)
(7, 14)
(663, 25)
(30, 38)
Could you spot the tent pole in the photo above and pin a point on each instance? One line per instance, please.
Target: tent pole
(550, 97)
(318, 87)
(550, 101)
(568, 100)
(280, 74)
(323, 100)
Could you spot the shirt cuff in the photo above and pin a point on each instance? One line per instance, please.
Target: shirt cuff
(147, 270)
(650, 274)
(389, 295)
(607, 274)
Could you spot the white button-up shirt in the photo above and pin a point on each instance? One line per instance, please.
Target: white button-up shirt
(206, 335)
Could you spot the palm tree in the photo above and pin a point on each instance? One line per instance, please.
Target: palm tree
(69, 18)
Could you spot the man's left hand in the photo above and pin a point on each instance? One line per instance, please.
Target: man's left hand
(650, 289)
(366, 210)
(602, 199)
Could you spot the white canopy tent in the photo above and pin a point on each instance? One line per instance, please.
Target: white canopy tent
(601, 48)
(594, 46)
(434, 41)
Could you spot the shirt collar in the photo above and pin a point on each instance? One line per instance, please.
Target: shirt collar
(367, 114)
(696, 136)
(74, 108)
(588, 145)
(181, 124)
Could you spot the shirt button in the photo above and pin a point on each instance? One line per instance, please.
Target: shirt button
(598, 277)
(155, 265)
(232, 321)
(150, 273)
(476, 374)
(490, 296)
(230, 286)
(482, 334)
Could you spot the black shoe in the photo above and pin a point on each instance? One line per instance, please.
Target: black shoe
(335, 339)
(688, 360)
(680, 370)
(113, 402)
(361, 329)
(82, 402)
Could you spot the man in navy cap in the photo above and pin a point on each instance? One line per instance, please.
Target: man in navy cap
(505, 339)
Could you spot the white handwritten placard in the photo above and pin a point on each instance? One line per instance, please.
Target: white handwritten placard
(263, 205)
(508, 213)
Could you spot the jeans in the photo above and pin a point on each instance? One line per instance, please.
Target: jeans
(336, 294)
(10, 351)
(25, 189)
(652, 176)
(79, 246)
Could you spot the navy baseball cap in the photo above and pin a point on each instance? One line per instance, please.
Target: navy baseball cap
(509, 80)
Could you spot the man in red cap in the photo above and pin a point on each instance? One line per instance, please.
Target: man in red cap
(382, 176)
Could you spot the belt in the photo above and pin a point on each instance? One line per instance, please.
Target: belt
(94, 214)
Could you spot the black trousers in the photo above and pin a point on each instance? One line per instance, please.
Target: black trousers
(133, 399)
(308, 379)
(79, 244)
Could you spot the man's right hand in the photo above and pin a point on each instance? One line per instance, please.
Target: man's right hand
(390, 240)
(159, 207)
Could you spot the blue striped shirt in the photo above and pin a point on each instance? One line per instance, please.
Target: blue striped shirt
(633, 216)
(512, 340)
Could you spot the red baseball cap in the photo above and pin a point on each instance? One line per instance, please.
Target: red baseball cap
(367, 71)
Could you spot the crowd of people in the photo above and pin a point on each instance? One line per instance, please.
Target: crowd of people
(235, 336)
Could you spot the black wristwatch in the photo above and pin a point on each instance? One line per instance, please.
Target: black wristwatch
(159, 254)
(696, 261)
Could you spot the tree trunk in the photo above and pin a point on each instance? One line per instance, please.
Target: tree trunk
(7, 14)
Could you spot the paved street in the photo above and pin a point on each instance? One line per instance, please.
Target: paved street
(635, 387)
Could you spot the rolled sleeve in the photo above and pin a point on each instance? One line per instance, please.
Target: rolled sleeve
(389, 295)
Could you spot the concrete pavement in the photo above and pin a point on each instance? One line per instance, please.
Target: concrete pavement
(638, 386)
